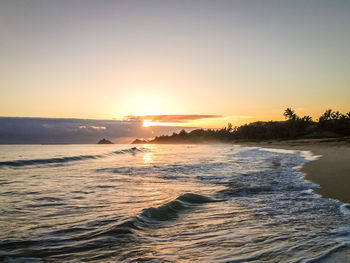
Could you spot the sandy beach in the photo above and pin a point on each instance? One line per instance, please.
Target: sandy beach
(331, 170)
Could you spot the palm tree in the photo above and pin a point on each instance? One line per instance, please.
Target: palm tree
(289, 114)
(336, 115)
(307, 118)
(326, 115)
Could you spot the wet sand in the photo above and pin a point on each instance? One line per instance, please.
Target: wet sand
(331, 170)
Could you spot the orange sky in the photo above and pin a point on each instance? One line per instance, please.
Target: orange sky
(241, 60)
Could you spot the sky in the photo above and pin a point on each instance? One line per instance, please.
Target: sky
(183, 63)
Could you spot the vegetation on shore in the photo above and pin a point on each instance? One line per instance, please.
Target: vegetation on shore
(331, 124)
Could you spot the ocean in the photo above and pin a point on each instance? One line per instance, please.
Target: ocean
(165, 203)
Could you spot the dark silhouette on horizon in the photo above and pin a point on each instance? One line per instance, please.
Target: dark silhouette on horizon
(332, 124)
(104, 141)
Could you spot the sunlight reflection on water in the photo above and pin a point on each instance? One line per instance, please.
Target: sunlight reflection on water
(185, 203)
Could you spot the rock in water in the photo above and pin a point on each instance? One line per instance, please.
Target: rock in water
(104, 141)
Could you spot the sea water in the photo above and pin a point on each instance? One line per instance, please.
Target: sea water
(164, 203)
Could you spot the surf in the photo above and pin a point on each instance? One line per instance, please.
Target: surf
(58, 160)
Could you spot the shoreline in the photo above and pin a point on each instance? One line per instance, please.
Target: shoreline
(331, 171)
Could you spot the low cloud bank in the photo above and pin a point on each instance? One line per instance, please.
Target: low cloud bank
(173, 118)
(71, 131)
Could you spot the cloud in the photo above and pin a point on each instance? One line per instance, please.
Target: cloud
(51, 130)
(184, 118)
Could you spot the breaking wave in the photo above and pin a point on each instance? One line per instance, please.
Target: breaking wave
(57, 160)
(202, 203)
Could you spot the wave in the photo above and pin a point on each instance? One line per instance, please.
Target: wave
(171, 210)
(103, 233)
(264, 201)
(58, 160)
(344, 208)
(155, 215)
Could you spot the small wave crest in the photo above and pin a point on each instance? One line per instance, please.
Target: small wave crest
(344, 208)
(155, 215)
(58, 160)
(172, 209)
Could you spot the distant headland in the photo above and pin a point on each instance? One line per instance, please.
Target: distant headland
(104, 141)
(332, 124)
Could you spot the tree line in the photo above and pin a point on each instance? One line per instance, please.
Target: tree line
(329, 124)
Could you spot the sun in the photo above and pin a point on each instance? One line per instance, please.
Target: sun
(147, 123)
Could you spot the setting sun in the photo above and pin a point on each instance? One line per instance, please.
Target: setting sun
(147, 123)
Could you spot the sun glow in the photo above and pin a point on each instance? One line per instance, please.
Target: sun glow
(147, 123)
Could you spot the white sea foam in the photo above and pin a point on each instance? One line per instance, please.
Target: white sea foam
(279, 150)
(125, 207)
(309, 156)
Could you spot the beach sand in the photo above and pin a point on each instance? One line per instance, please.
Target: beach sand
(331, 170)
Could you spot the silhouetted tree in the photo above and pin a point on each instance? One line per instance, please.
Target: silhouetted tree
(326, 116)
(331, 123)
(289, 114)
